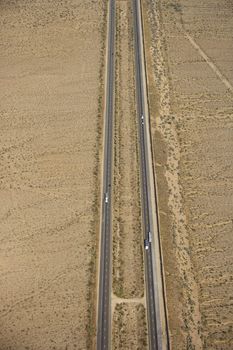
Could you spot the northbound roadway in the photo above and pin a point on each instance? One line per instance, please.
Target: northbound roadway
(155, 297)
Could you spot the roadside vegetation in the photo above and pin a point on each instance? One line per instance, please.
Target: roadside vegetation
(129, 327)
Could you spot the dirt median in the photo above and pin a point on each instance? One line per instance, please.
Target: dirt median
(127, 318)
(127, 231)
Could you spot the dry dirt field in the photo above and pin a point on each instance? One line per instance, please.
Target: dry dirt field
(189, 61)
(50, 142)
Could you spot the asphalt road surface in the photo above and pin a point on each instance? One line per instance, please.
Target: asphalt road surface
(104, 304)
(155, 327)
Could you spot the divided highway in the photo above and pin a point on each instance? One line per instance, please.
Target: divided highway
(153, 292)
(104, 303)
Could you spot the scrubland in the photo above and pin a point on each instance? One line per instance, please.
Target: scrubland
(189, 67)
(51, 89)
(129, 327)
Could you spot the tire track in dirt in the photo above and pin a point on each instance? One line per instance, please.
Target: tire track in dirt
(210, 63)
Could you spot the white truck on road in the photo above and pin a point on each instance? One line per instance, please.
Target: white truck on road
(149, 237)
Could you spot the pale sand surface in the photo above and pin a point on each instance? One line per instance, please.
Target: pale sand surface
(49, 86)
(189, 51)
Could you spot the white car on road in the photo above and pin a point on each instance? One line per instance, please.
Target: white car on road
(146, 244)
(106, 197)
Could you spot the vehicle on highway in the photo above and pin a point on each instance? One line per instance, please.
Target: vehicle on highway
(106, 197)
(146, 244)
(142, 119)
(149, 237)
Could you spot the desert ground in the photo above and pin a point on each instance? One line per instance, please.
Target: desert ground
(51, 90)
(129, 328)
(51, 140)
(189, 53)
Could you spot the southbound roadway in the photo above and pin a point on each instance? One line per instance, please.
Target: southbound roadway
(104, 302)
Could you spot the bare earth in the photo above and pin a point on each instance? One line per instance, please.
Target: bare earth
(51, 83)
(49, 150)
(129, 327)
(189, 60)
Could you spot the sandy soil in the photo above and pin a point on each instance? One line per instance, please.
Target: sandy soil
(49, 150)
(128, 280)
(189, 50)
(128, 317)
